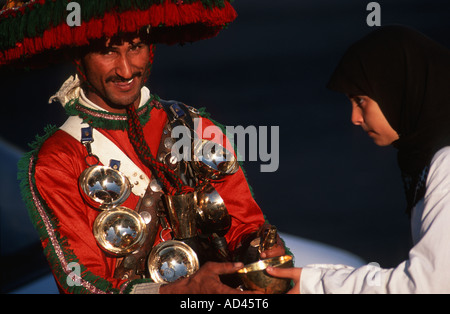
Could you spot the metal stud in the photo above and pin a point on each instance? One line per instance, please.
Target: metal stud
(146, 216)
(155, 186)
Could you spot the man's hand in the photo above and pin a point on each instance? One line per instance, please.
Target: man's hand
(205, 281)
(290, 273)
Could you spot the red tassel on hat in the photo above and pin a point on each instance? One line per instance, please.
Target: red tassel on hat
(165, 19)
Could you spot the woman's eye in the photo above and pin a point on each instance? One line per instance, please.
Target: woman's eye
(359, 101)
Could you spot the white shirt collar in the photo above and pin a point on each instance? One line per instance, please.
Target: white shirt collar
(71, 89)
(145, 96)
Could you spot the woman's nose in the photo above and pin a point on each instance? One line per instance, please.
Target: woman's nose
(357, 117)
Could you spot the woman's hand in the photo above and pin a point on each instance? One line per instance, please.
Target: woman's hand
(289, 273)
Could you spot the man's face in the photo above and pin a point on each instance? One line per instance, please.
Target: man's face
(116, 74)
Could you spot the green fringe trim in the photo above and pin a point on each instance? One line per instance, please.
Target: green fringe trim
(40, 17)
(105, 123)
(135, 282)
(26, 173)
(22, 175)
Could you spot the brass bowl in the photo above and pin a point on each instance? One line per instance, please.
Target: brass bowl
(212, 160)
(171, 260)
(212, 214)
(104, 187)
(255, 277)
(120, 230)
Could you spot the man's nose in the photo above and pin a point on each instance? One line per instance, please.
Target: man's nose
(357, 117)
(123, 67)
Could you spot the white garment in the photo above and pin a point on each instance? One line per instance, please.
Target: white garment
(71, 89)
(145, 96)
(428, 268)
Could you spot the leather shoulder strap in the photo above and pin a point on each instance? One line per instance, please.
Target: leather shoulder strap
(177, 112)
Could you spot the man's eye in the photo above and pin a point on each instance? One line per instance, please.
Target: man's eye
(135, 47)
(107, 52)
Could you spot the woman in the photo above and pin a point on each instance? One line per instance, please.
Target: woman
(398, 82)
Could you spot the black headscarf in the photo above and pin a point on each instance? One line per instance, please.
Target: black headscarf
(408, 75)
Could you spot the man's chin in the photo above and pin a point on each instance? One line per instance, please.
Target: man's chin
(123, 102)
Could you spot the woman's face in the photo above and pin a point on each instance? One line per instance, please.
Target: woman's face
(367, 113)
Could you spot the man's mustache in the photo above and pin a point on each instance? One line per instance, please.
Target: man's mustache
(119, 79)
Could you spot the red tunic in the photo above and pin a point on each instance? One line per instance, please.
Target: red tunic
(65, 220)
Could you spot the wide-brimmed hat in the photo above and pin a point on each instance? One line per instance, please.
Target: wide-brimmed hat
(37, 28)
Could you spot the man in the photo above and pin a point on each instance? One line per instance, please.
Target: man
(111, 100)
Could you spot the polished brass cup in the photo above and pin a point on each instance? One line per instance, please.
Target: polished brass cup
(171, 260)
(213, 161)
(104, 187)
(255, 277)
(120, 231)
(213, 215)
(183, 214)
